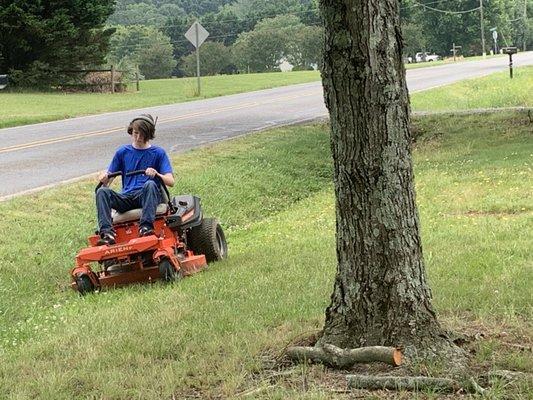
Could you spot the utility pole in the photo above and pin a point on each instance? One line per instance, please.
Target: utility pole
(482, 28)
(525, 26)
(454, 50)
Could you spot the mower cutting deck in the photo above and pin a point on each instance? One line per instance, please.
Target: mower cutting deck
(183, 243)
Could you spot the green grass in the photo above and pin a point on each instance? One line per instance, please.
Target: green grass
(495, 90)
(28, 108)
(213, 334)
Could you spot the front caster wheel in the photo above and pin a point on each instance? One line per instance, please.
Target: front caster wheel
(84, 284)
(167, 273)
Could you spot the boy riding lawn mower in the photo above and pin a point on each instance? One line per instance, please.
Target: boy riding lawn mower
(182, 244)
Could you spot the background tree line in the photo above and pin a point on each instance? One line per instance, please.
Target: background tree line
(425, 29)
(42, 40)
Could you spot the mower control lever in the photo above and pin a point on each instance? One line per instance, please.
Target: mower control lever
(136, 172)
(112, 175)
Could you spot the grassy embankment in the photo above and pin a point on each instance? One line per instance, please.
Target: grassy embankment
(219, 332)
(495, 90)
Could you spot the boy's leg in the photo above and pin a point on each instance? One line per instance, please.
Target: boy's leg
(107, 199)
(149, 198)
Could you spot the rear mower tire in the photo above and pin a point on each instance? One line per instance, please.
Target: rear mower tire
(208, 238)
(84, 284)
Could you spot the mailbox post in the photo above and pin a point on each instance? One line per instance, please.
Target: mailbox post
(510, 51)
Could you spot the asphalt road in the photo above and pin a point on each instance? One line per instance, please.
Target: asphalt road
(41, 155)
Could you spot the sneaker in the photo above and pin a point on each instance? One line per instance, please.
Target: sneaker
(145, 231)
(107, 238)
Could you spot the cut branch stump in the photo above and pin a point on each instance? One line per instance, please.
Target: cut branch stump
(345, 358)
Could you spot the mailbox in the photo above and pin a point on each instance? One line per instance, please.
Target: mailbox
(510, 50)
(3, 81)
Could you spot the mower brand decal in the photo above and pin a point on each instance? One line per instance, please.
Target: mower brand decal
(118, 250)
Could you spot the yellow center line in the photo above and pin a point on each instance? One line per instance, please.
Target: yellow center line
(171, 119)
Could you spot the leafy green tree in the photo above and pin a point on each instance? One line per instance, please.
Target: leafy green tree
(443, 29)
(157, 61)
(191, 7)
(414, 39)
(267, 45)
(147, 46)
(175, 28)
(215, 58)
(305, 47)
(41, 39)
(253, 11)
(224, 26)
(137, 14)
(145, 14)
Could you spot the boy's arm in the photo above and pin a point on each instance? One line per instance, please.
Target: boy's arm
(168, 178)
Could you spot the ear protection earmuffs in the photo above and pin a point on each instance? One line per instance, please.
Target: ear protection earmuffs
(147, 118)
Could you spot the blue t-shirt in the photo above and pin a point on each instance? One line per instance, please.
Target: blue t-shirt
(128, 158)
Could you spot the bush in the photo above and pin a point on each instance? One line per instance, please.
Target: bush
(100, 82)
(215, 58)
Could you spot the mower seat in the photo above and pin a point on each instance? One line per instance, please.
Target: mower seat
(135, 214)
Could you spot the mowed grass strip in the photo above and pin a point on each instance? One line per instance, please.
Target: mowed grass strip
(447, 61)
(29, 108)
(493, 91)
(212, 334)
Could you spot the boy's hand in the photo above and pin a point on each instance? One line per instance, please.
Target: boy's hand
(102, 177)
(151, 172)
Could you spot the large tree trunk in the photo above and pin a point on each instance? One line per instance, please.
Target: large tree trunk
(380, 295)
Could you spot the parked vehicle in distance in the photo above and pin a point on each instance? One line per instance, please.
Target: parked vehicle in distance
(423, 57)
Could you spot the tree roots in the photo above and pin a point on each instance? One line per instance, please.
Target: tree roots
(411, 383)
(336, 357)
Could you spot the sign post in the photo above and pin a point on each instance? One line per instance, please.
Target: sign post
(197, 35)
(495, 38)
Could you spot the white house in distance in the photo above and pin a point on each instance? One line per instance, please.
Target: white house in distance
(286, 66)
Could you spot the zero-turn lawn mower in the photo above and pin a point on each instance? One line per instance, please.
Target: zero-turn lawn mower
(183, 243)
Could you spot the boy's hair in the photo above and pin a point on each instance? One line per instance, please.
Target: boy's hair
(145, 125)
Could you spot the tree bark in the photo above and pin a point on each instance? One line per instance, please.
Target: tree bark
(380, 295)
